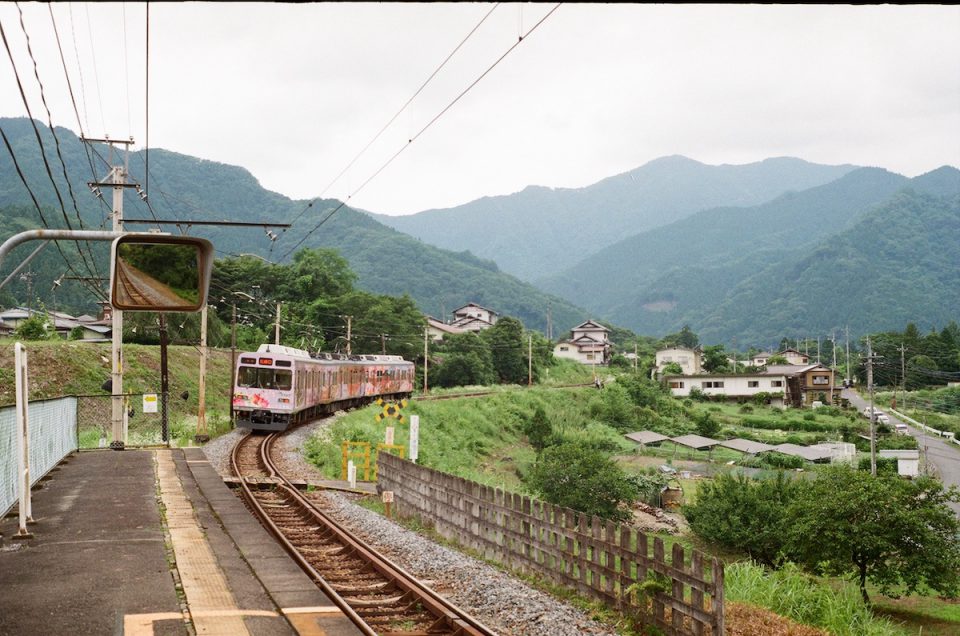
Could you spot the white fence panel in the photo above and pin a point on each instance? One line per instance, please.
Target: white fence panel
(53, 436)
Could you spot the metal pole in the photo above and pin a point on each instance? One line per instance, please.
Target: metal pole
(201, 435)
(164, 388)
(22, 265)
(23, 442)
(119, 414)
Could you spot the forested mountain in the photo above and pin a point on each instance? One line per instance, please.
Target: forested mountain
(188, 188)
(899, 264)
(682, 273)
(540, 231)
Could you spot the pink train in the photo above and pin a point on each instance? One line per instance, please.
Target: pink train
(279, 386)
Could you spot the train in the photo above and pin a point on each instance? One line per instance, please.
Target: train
(277, 386)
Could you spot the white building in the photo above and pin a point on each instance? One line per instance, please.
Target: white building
(473, 317)
(688, 359)
(588, 344)
(908, 461)
(731, 386)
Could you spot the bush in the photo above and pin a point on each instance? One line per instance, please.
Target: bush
(884, 464)
(706, 425)
(746, 408)
(36, 327)
(740, 513)
(779, 460)
(583, 479)
(538, 430)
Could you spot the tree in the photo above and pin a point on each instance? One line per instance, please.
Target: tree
(706, 425)
(584, 479)
(898, 534)
(539, 430)
(740, 513)
(715, 359)
(777, 359)
(508, 349)
(36, 327)
(671, 368)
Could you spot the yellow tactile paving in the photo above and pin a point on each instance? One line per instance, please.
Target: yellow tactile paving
(212, 608)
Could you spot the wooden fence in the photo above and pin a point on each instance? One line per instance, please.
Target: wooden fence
(681, 596)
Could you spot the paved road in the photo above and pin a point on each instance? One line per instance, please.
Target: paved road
(943, 455)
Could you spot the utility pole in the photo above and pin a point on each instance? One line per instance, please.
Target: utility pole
(833, 346)
(233, 360)
(903, 374)
(530, 360)
(818, 349)
(117, 179)
(426, 357)
(201, 435)
(873, 414)
(349, 322)
(549, 324)
(383, 344)
(276, 337)
(847, 328)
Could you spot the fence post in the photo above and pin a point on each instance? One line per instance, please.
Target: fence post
(23, 442)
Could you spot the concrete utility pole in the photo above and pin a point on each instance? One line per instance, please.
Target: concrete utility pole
(833, 347)
(276, 336)
(426, 358)
(233, 360)
(116, 179)
(903, 374)
(848, 354)
(349, 334)
(201, 435)
(873, 414)
(530, 360)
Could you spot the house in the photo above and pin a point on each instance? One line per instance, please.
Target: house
(792, 356)
(808, 383)
(588, 344)
(793, 385)
(473, 317)
(730, 385)
(63, 323)
(688, 359)
(436, 329)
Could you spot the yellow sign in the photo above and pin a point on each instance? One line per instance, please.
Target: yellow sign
(391, 409)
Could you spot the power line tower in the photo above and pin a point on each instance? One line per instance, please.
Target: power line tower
(118, 179)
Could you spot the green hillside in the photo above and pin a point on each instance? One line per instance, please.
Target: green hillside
(681, 273)
(184, 187)
(541, 231)
(899, 264)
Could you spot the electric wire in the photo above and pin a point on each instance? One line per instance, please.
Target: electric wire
(36, 132)
(76, 56)
(36, 204)
(422, 130)
(96, 73)
(397, 114)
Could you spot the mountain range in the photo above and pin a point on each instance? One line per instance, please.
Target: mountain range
(781, 247)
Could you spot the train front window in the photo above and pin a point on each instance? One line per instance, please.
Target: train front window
(254, 378)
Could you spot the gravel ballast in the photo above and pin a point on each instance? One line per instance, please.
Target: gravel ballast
(500, 601)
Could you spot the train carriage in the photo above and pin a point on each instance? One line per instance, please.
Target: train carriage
(277, 386)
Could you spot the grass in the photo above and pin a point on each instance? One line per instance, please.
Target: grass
(789, 592)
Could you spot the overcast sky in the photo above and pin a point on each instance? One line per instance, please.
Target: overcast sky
(293, 92)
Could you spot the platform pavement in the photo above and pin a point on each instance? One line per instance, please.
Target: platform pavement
(151, 542)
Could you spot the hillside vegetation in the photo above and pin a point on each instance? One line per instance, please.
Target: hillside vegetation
(189, 188)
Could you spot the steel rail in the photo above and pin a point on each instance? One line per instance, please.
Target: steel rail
(456, 619)
(289, 547)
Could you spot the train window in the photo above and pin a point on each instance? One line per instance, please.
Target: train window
(254, 378)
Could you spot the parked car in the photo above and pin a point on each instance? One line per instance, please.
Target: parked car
(866, 412)
(901, 428)
(882, 418)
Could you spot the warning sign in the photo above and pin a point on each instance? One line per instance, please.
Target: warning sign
(391, 409)
(149, 402)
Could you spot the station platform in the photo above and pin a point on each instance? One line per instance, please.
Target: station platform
(143, 542)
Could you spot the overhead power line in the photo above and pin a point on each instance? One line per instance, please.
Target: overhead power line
(398, 113)
(422, 130)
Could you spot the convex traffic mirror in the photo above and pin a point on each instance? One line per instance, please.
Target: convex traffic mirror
(160, 273)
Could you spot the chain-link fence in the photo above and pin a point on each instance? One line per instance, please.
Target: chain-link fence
(94, 414)
(53, 435)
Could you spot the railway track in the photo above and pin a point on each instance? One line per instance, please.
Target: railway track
(376, 594)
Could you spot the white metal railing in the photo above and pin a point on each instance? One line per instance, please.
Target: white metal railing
(52, 435)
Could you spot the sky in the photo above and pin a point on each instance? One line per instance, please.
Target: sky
(293, 92)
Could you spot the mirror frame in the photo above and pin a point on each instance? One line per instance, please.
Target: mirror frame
(204, 269)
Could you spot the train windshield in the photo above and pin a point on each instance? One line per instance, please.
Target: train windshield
(255, 378)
